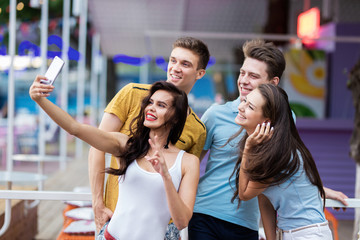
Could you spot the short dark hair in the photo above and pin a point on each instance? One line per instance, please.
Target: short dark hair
(267, 53)
(197, 46)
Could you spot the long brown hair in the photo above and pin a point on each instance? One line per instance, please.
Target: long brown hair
(137, 146)
(275, 161)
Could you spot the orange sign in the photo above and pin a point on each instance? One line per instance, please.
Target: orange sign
(308, 24)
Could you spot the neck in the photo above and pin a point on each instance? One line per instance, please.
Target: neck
(249, 131)
(161, 136)
(188, 90)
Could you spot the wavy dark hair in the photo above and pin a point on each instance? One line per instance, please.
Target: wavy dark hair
(137, 146)
(275, 161)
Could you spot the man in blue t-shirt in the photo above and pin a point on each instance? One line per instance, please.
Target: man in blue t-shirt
(215, 217)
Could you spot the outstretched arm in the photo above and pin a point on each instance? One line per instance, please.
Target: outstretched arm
(104, 141)
(180, 203)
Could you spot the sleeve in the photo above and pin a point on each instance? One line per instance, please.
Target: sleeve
(121, 103)
(209, 120)
(197, 148)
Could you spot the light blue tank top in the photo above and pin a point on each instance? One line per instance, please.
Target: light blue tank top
(297, 201)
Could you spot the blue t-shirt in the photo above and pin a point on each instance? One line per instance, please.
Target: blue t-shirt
(214, 192)
(297, 201)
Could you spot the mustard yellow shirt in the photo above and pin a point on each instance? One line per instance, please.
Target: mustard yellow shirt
(126, 106)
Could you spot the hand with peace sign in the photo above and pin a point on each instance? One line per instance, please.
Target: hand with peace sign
(157, 159)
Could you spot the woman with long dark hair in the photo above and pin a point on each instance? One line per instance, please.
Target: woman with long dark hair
(275, 165)
(157, 181)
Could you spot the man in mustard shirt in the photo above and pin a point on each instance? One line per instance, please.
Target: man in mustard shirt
(187, 64)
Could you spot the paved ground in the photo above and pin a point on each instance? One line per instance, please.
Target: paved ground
(345, 229)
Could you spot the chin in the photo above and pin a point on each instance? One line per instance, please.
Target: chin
(238, 121)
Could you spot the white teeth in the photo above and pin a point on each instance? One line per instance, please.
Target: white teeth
(241, 116)
(150, 116)
(174, 76)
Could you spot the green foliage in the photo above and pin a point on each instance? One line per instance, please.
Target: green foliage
(301, 110)
(28, 13)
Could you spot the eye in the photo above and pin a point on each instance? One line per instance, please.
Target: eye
(172, 60)
(251, 107)
(162, 105)
(254, 76)
(186, 64)
(242, 73)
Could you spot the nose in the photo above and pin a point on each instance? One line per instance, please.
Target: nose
(150, 107)
(243, 79)
(176, 67)
(241, 106)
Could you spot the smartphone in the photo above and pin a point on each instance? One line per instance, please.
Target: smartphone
(53, 70)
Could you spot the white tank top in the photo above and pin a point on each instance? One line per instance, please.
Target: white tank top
(142, 211)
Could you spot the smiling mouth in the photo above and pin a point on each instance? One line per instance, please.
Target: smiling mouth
(175, 77)
(241, 116)
(150, 117)
(247, 90)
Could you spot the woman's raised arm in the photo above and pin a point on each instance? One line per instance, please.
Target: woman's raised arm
(102, 140)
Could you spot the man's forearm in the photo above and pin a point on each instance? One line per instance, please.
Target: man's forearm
(96, 175)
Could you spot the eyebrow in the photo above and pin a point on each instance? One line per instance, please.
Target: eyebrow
(161, 102)
(250, 103)
(186, 61)
(183, 61)
(254, 73)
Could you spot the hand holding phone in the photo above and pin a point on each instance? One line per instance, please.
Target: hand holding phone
(53, 70)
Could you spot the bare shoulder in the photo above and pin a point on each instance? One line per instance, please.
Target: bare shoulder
(191, 161)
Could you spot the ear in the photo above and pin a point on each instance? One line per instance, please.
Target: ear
(200, 73)
(275, 81)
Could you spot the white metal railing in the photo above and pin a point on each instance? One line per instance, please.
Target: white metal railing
(36, 195)
(353, 203)
(81, 196)
(45, 195)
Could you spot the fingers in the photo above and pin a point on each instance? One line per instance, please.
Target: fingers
(101, 217)
(151, 143)
(154, 143)
(38, 90)
(342, 198)
(263, 132)
(265, 128)
(153, 160)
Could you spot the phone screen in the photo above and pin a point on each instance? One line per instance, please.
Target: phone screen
(53, 70)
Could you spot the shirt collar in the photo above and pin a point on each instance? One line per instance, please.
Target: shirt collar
(235, 104)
